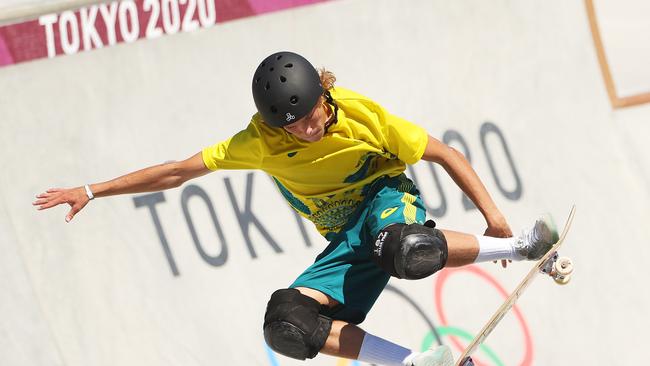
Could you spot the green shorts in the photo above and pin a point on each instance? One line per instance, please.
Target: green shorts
(345, 270)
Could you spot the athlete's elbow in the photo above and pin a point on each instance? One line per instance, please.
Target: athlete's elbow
(175, 177)
(447, 156)
(176, 182)
(457, 154)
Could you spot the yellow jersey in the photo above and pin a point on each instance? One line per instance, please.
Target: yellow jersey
(325, 181)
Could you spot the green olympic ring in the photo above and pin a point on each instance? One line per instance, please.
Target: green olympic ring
(431, 336)
(444, 331)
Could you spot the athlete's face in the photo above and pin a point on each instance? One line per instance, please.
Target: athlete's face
(311, 127)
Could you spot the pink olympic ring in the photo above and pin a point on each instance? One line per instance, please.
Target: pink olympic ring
(440, 281)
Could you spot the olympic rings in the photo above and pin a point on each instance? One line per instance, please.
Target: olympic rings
(437, 332)
(444, 331)
(443, 276)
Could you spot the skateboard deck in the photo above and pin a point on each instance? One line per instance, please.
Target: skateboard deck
(559, 268)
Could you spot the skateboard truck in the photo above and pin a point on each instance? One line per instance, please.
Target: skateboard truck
(467, 361)
(559, 268)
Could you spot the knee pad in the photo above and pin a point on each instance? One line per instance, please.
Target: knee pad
(293, 326)
(410, 251)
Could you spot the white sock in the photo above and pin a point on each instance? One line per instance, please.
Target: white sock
(382, 352)
(492, 249)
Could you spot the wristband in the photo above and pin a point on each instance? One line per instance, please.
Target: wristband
(89, 193)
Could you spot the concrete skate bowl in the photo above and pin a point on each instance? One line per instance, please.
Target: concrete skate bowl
(182, 277)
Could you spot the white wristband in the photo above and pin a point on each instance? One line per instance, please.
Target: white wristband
(89, 193)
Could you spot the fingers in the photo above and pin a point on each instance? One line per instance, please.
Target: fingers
(505, 234)
(75, 197)
(504, 262)
(46, 200)
(49, 192)
(46, 203)
(70, 215)
(50, 198)
(42, 199)
(73, 211)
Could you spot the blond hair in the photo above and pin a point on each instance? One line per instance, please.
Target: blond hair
(327, 78)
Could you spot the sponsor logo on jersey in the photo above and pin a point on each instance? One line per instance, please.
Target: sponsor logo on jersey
(387, 212)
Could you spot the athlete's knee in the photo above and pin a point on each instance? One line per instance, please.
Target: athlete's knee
(410, 251)
(293, 325)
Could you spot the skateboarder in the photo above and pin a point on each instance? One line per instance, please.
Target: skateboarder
(338, 158)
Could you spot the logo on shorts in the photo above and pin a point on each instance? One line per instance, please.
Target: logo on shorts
(387, 212)
(379, 243)
(290, 117)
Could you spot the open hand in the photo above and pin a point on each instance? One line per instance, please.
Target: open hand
(75, 197)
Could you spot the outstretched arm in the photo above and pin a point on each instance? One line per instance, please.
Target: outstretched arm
(466, 178)
(154, 178)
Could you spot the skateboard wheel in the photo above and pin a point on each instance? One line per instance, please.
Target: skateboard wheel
(563, 280)
(563, 267)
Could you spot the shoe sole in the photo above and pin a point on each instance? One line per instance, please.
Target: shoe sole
(550, 224)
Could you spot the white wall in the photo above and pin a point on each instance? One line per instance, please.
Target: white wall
(100, 290)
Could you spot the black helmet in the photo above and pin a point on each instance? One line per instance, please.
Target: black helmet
(286, 87)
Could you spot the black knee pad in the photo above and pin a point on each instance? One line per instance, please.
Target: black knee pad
(410, 251)
(293, 326)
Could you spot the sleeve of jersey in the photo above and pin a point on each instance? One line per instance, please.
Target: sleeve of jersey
(405, 139)
(242, 151)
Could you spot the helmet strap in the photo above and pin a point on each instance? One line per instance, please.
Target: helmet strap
(329, 100)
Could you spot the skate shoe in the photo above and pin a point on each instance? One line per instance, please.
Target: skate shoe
(536, 242)
(434, 356)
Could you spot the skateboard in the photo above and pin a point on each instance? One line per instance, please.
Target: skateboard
(559, 268)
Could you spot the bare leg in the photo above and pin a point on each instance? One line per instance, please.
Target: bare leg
(462, 248)
(345, 339)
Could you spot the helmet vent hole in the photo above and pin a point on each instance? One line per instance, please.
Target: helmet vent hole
(271, 69)
(267, 86)
(279, 57)
(293, 100)
(274, 110)
(283, 79)
(263, 64)
(257, 80)
(289, 65)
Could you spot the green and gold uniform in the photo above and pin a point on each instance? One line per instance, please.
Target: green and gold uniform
(350, 184)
